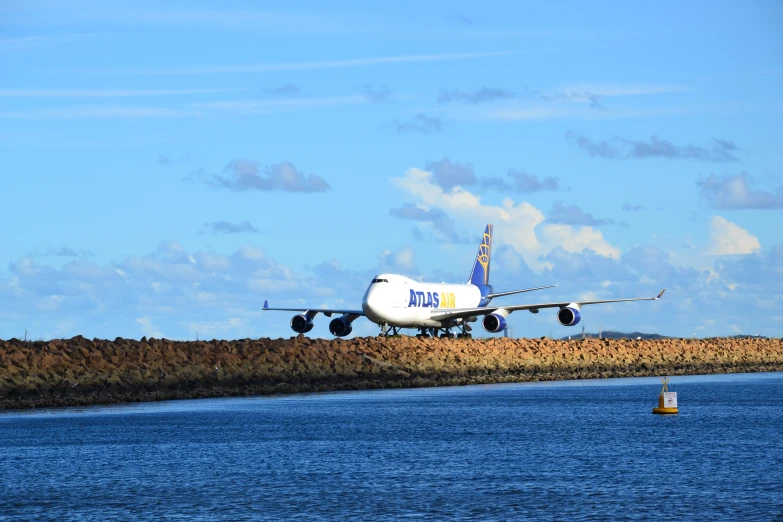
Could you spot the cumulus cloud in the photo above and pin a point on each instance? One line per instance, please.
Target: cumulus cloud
(517, 223)
(763, 270)
(243, 175)
(727, 238)
(573, 215)
(602, 149)
(509, 268)
(577, 239)
(226, 227)
(62, 251)
(175, 292)
(482, 95)
(148, 329)
(721, 150)
(521, 182)
(641, 272)
(421, 123)
(448, 174)
(734, 192)
(438, 219)
(656, 266)
(585, 267)
(165, 290)
(399, 261)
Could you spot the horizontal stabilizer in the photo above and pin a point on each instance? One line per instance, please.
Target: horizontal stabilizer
(512, 292)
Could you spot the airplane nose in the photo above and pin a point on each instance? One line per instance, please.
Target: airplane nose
(372, 303)
(370, 300)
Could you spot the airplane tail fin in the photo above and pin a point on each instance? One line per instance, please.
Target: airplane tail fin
(479, 276)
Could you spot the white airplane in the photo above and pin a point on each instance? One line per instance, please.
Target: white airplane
(393, 302)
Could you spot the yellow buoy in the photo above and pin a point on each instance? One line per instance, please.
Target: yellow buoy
(667, 401)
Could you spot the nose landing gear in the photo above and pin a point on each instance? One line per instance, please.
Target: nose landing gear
(385, 329)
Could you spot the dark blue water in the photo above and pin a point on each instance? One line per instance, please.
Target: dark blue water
(579, 450)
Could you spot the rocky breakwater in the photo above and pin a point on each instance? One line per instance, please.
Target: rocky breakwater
(79, 371)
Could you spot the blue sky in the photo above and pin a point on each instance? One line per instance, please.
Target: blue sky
(167, 166)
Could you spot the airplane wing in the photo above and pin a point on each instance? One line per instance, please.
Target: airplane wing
(456, 313)
(312, 311)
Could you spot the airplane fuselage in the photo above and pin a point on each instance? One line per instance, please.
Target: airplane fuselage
(399, 301)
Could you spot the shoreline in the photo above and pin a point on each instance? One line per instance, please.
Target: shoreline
(82, 372)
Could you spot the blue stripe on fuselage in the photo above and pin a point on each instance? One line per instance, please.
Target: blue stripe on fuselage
(485, 291)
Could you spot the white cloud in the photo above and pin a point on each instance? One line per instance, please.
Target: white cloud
(323, 64)
(102, 93)
(404, 257)
(148, 329)
(517, 220)
(51, 303)
(578, 101)
(89, 112)
(401, 260)
(265, 106)
(540, 111)
(212, 328)
(727, 238)
(577, 239)
(583, 92)
(515, 224)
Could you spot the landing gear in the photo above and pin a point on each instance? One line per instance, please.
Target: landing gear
(465, 333)
(389, 331)
(428, 332)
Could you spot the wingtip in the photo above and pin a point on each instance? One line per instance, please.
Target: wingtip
(661, 294)
(266, 304)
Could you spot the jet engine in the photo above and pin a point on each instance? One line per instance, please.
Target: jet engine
(301, 323)
(569, 316)
(340, 327)
(495, 322)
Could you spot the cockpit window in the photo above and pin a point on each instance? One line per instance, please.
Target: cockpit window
(380, 281)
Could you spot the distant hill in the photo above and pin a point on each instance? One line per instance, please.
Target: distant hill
(611, 334)
(742, 336)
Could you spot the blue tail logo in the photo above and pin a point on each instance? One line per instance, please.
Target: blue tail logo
(480, 274)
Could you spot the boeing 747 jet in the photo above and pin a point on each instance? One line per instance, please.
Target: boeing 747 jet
(393, 302)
